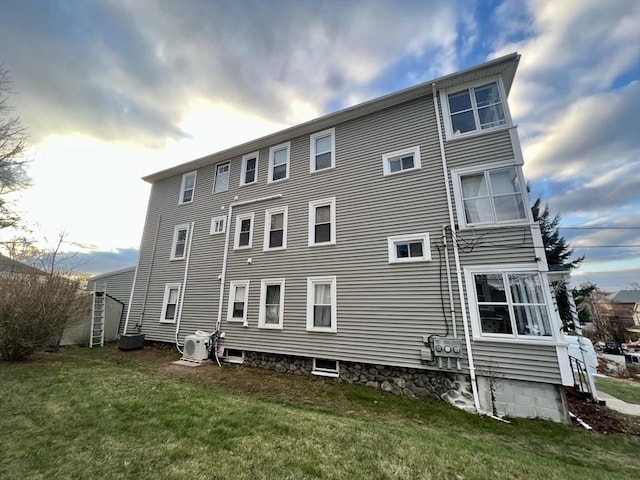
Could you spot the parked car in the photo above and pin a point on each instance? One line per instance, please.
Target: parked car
(632, 361)
(613, 348)
(631, 346)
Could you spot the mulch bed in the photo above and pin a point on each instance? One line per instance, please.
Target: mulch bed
(601, 418)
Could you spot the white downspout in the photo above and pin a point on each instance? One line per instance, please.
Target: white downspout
(184, 283)
(465, 320)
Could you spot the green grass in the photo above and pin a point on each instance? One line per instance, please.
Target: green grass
(94, 414)
(625, 390)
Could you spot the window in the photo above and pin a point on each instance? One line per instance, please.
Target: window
(170, 302)
(323, 150)
(321, 304)
(218, 225)
(322, 222)
(475, 108)
(279, 162)
(221, 182)
(249, 172)
(244, 231)
(271, 304)
(179, 247)
(234, 356)
(238, 298)
(275, 229)
(188, 188)
(325, 367)
(401, 161)
(508, 304)
(409, 248)
(493, 196)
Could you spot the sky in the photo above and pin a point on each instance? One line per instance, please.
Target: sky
(112, 90)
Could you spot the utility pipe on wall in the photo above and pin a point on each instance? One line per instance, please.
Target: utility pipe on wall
(184, 283)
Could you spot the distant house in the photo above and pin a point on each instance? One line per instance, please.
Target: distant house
(9, 266)
(390, 244)
(624, 308)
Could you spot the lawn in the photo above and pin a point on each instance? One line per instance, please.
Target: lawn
(625, 390)
(101, 413)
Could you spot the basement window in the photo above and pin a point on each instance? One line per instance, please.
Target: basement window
(234, 356)
(325, 368)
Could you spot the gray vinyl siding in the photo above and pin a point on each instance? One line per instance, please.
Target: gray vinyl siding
(119, 284)
(383, 309)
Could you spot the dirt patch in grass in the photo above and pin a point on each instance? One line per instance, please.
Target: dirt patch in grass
(602, 419)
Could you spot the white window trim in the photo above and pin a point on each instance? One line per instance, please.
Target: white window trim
(263, 298)
(167, 288)
(417, 163)
(426, 247)
(243, 170)
(272, 151)
(311, 281)
(446, 114)
(325, 372)
(312, 155)
(312, 219)
(554, 320)
(222, 219)
(177, 228)
(215, 177)
(236, 240)
(267, 228)
(457, 194)
(182, 187)
(232, 295)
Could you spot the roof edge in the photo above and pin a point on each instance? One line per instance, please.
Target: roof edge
(108, 274)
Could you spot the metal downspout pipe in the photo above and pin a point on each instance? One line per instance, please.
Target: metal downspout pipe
(184, 284)
(465, 320)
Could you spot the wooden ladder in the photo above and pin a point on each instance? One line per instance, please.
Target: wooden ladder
(97, 315)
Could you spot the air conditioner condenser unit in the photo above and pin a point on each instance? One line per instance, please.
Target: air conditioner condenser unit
(196, 348)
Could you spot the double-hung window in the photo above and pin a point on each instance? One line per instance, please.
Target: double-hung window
(409, 248)
(322, 222)
(322, 151)
(475, 108)
(321, 304)
(244, 231)
(401, 161)
(271, 304)
(179, 246)
(275, 228)
(249, 171)
(279, 162)
(170, 303)
(221, 182)
(238, 300)
(491, 196)
(188, 188)
(508, 303)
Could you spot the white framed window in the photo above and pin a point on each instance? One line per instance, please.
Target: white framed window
(323, 150)
(170, 303)
(400, 161)
(409, 248)
(271, 304)
(275, 228)
(188, 188)
(179, 245)
(238, 301)
(322, 222)
(474, 108)
(244, 231)
(493, 196)
(218, 225)
(221, 181)
(234, 356)
(509, 302)
(321, 304)
(249, 171)
(325, 367)
(279, 162)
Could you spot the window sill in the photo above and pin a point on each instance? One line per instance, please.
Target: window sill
(494, 226)
(480, 133)
(275, 249)
(245, 247)
(325, 374)
(550, 341)
(270, 327)
(185, 203)
(407, 170)
(323, 244)
(400, 262)
(172, 259)
(236, 320)
(328, 169)
(269, 182)
(247, 184)
(322, 330)
(170, 322)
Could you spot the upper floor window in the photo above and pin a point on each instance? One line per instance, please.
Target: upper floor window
(321, 304)
(188, 187)
(249, 171)
(218, 225)
(409, 248)
(323, 150)
(170, 302)
(179, 246)
(491, 196)
(279, 162)
(322, 222)
(238, 298)
(221, 182)
(275, 228)
(508, 304)
(401, 161)
(476, 108)
(271, 304)
(244, 231)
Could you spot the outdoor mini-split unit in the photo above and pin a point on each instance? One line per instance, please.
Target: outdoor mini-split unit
(196, 348)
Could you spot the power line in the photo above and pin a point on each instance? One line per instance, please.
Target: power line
(599, 228)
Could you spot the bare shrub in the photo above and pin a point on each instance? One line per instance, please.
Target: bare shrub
(34, 311)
